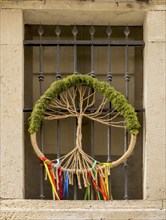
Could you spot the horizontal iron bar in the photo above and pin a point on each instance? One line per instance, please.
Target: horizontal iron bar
(96, 74)
(82, 43)
(89, 110)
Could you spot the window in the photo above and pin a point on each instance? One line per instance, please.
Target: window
(85, 50)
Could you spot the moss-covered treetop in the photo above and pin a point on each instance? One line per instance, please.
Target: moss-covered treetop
(118, 101)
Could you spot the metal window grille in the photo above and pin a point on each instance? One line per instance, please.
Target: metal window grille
(112, 54)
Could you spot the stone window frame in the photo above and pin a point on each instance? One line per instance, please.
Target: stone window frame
(33, 188)
(12, 144)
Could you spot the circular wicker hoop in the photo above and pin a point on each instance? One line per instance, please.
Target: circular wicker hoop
(116, 98)
(114, 163)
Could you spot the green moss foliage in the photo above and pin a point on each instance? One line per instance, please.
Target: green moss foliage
(119, 102)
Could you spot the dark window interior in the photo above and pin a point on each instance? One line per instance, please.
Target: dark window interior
(35, 187)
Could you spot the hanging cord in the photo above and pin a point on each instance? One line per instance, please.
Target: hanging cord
(66, 184)
(105, 196)
(50, 167)
(106, 179)
(103, 187)
(96, 176)
(60, 177)
(87, 193)
(107, 168)
(50, 175)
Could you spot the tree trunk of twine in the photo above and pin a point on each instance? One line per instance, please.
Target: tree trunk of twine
(79, 132)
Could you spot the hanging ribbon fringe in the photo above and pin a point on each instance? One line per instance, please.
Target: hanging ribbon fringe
(97, 177)
(50, 175)
(76, 95)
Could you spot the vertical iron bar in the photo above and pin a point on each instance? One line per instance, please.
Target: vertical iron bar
(109, 79)
(75, 187)
(41, 78)
(58, 76)
(127, 79)
(92, 31)
(75, 177)
(75, 32)
(58, 139)
(92, 74)
(58, 32)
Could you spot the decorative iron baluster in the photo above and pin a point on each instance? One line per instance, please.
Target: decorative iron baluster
(92, 32)
(58, 32)
(127, 79)
(127, 76)
(58, 76)
(41, 78)
(109, 79)
(75, 32)
(92, 74)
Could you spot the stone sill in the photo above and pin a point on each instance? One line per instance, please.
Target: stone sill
(47, 209)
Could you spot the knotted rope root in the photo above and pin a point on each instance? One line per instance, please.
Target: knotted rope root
(77, 162)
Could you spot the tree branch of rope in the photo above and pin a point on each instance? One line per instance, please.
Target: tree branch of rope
(77, 102)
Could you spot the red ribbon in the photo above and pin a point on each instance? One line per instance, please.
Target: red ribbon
(43, 159)
(60, 183)
(51, 173)
(97, 187)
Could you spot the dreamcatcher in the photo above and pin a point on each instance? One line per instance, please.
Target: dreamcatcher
(72, 97)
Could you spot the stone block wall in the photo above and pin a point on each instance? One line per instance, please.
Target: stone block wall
(14, 14)
(12, 150)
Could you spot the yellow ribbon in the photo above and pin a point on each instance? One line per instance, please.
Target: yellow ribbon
(106, 179)
(49, 176)
(88, 192)
(108, 164)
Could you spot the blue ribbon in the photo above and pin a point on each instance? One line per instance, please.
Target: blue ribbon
(66, 184)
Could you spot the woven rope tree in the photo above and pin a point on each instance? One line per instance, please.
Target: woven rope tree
(72, 97)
